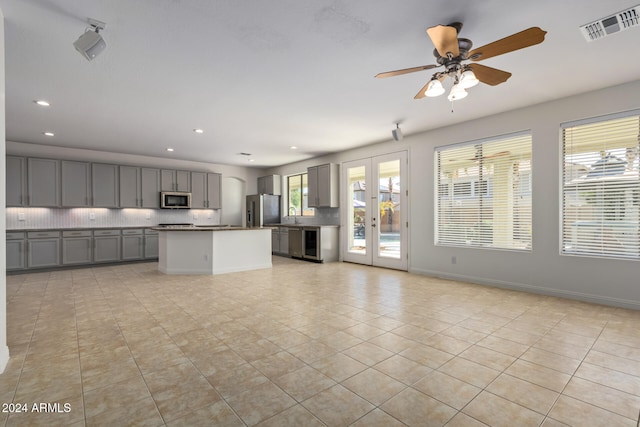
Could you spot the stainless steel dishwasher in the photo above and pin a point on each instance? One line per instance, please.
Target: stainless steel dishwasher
(295, 242)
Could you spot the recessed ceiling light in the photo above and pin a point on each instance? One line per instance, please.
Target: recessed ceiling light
(169, 149)
(42, 103)
(198, 131)
(252, 160)
(293, 147)
(48, 133)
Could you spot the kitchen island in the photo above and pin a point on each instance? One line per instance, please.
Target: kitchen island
(213, 250)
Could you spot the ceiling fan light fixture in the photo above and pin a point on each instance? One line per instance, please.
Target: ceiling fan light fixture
(468, 79)
(457, 93)
(434, 88)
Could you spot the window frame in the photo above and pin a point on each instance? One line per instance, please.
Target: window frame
(481, 187)
(607, 206)
(303, 196)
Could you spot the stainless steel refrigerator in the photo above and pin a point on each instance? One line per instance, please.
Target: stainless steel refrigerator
(263, 209)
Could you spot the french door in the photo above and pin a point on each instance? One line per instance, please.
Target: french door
(375, 196)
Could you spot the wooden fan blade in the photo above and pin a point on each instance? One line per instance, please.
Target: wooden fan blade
(526, 38)
(445, 39)
(421, 94)
(405, 71)
(488, 75)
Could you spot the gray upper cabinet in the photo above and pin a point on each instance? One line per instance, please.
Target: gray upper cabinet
(323, 186)
(198, 190)
(130, 187)
(104, 180)
(205, 190)
(214, 182)
(174, 180)
(16, 184)
(43, 182)
(75, 183)
(270, 184)
(150, 187)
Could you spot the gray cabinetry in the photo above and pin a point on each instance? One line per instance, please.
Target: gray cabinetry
(106, 246)
(130, 187)
(150, 244)
(16, 245)
(280, 241)
(323, 186)
(76, 247)
(270, 184)
(174, 180)
(150, 187)
(43, 249)
(132, 244)
(295, 242)
(16, 184)
(205, 190)
(43, 182)
(104, 182)
(75, 183)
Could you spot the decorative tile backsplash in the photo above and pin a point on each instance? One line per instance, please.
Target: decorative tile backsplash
(39, 218)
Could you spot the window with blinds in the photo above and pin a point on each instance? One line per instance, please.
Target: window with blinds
(601, 188)
(484, 193)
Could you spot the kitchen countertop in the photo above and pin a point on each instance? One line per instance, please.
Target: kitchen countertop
(289, 225)
(208, 228)
(128, 227)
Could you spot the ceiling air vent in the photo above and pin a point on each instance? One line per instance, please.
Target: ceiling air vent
(619, 22)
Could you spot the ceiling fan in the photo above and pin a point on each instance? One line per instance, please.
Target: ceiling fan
(451, 52)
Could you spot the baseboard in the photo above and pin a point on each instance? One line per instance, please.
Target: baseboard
(4, 358)
(579, 296)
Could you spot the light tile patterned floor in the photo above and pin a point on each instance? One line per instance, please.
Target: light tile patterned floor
(309, 344)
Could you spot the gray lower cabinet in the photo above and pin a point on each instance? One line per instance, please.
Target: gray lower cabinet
(16, 245)
(150, 244)
(77, 247)
(295, 242)
(132, 244)
(43, 249)
(106, 246)
(280, 241)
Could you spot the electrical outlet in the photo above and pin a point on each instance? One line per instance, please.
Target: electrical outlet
(195, 216)
(92, 216)
(21, 216)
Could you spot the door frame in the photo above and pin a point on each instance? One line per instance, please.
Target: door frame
(371, 255)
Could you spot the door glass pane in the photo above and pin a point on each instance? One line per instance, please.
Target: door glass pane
(357, 210)
(389, 209)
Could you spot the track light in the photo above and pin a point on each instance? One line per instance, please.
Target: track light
(90, 44)
(397, 133)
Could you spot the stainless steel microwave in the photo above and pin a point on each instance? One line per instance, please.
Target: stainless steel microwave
(175, 200)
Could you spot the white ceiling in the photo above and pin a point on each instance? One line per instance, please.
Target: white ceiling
(261, 76)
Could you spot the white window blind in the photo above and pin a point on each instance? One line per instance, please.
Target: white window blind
(601, 188)
(483, 196)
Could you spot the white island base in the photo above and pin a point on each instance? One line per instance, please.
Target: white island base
(213, 251)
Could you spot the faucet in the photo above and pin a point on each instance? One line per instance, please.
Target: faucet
(295, 217)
